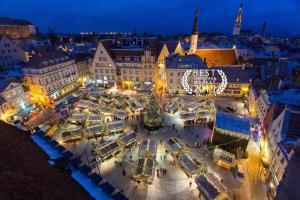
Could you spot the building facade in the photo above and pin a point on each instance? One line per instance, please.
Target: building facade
(14, 97)
(130, 68)
(16, 28)
(50, 76)
(10, 53)
(284, 132)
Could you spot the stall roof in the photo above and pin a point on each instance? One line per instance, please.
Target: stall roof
(94, 129)
(145, 167)
(148, 148)
(106, 110)
(128, 137)
(232, 123)
(94, 117)
(77, 117)
(120, 113)
(188, 164)
(207, 187)
(72, 128)
(115, 125)
(174, 144)
(192, 105)
(188, 115)
(107, 148)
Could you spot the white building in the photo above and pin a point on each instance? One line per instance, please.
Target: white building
(13, 98)
(284, 132)
(130, 67)
(263, 104)
(10, 53)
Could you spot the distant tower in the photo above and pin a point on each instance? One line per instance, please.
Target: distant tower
(194, 35)
(238, 22)
(263, 30)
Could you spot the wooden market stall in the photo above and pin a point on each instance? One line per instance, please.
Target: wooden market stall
(145, 169)
(107, 150)
(148, 148)
(128, 138)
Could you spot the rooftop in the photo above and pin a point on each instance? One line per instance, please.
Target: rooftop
(218, 57)
(28, 175)
(232, 123)
(6, 21)
(46, 59)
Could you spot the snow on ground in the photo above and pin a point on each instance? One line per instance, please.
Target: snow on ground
(53, 154)
(90, 187)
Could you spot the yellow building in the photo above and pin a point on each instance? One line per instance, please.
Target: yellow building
(50, 76)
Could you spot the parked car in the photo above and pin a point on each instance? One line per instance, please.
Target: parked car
(239, 175)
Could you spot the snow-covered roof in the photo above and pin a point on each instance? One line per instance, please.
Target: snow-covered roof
(94, 118)
(188, 115)
(80, 117)
(148, 148)
(120, 113)
(115, 125)
(94, 129)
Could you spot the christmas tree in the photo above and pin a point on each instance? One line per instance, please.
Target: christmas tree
(152, 119)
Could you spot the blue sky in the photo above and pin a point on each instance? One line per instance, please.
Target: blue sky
(155, 16)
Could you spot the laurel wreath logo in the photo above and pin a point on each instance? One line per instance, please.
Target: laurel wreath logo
(184, 81)
(224, 82)
(188, 89)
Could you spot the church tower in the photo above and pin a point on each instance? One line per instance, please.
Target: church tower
(194, 35)
(238, 22)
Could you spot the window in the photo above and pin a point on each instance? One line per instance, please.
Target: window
(112, 71)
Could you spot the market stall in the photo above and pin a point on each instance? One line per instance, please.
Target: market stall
(204, 115)
(77, 118)
(115, 126)
(224, 158)
(188, 164)
(192, 106)
(172, 108)
(128, 138)
(119, 114)
(211, 187)
(148, 148)
(175, 146)
(93, 131)
(107, 150)
(188, 117)
(145, 169)
(93, 119)
(71, 132)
